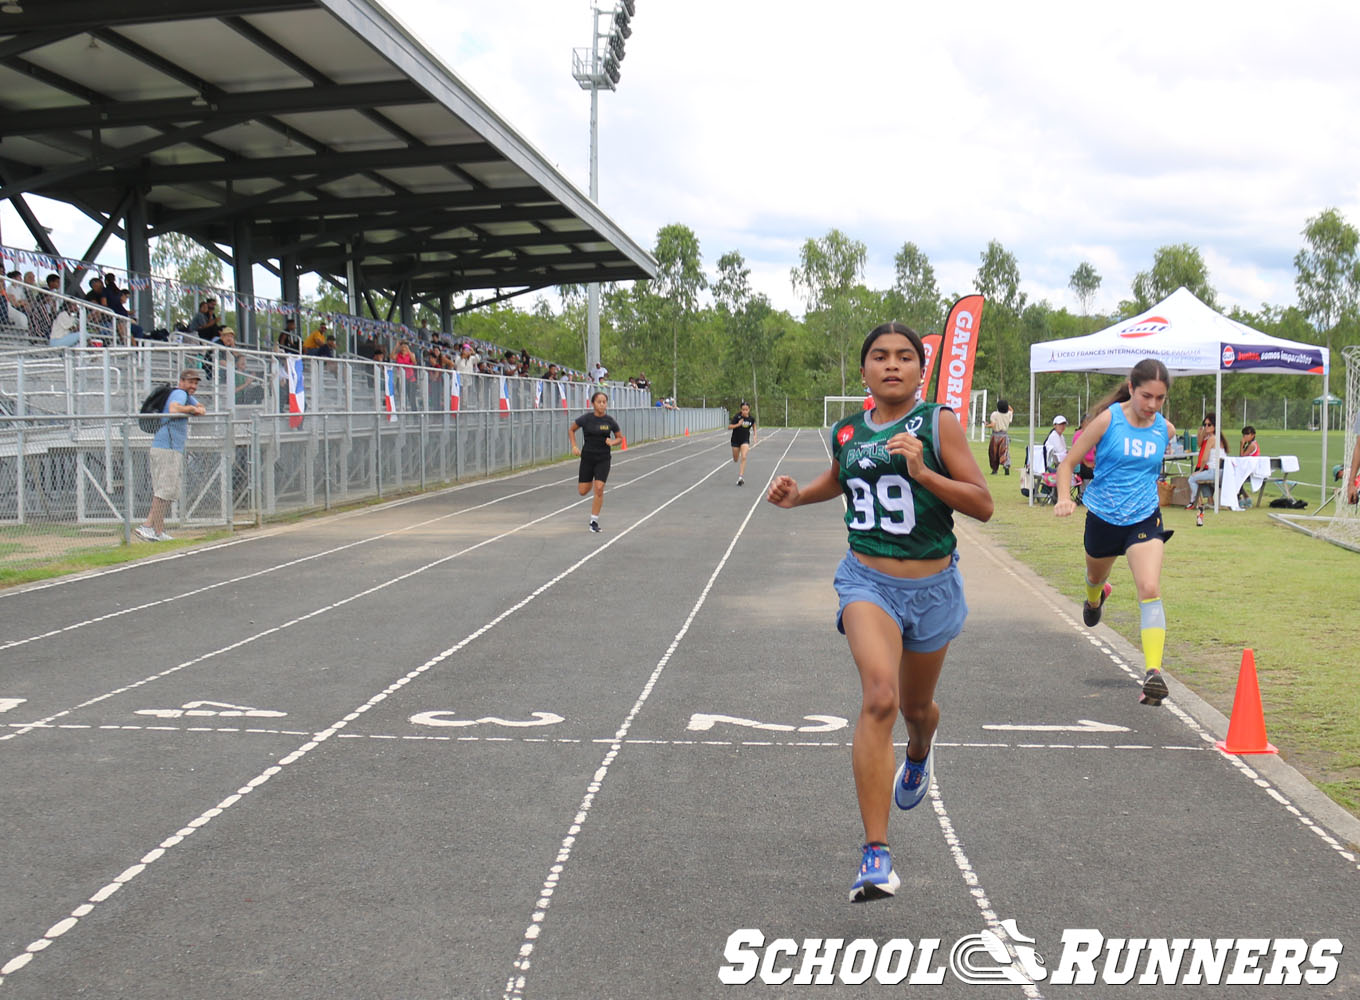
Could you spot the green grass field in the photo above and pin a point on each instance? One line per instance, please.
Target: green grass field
(1241, 581)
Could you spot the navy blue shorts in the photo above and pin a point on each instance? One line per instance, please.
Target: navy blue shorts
(1103, 539)
(929, 611)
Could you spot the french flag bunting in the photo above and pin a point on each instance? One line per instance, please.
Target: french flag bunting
(455, 391)
(297, 393)
(505, 397)
(562, 394)
(538, 395)
(389, 393)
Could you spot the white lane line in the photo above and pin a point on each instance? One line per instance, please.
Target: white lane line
(1169, 704)
(331, 607)
(63, 926)
(632, 741)
(284, 565)
(974, 884)
(514, 987)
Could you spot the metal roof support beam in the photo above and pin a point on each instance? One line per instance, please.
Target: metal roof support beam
(92, 169)
(445, 311)
(288, 279)
(31, 221)
(177, 110)
(138, 253)
(47, 16)
(404, 299)
(243, 275)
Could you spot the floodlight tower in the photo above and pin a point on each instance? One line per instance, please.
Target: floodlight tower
(596, 69)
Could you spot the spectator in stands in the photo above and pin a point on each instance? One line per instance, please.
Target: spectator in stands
(288, 339)
(65, 326)
(327, 348)
(467, 359)
(315, 339)
(249, 389)
(96, 292)
(642, 382)
(1249, 447)
(41, 307)
(598, 373)
(366, 345)
(225, 339)
(402, 356)
(15, 303)
(115, 300)
(206, 324)
(167, 454)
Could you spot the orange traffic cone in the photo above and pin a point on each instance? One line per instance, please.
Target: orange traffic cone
(1247, 727)
(623, 443)
(686, 432)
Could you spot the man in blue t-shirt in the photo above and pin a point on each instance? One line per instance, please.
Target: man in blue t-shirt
(167, 454)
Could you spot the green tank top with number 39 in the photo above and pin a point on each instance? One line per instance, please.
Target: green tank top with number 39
(888, 514)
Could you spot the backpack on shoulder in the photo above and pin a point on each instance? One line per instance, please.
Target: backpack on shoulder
(154, 404)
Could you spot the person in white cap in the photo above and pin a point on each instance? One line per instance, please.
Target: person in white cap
(1055, 445)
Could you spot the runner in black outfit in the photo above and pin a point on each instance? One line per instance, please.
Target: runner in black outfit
(743, 428)
(599, 431)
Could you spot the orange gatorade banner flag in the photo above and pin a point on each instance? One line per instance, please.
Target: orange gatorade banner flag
(932, 346)
(958, 352)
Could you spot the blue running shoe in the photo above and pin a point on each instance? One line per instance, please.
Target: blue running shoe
(913, 780)
(876, 879)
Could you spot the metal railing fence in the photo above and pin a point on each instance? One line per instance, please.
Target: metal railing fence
(72, 485)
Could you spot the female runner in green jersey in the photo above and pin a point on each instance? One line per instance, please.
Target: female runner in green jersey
(904, 468)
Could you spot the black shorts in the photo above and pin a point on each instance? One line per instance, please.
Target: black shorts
(594, 467)
(1104, 539)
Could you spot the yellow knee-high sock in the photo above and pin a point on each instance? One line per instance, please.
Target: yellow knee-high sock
(1093, 592)
(1153, 618)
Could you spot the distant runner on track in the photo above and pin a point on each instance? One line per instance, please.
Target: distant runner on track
(599, 432)
(743, 428)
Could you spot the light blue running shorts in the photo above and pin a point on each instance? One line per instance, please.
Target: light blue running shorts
(929, 611)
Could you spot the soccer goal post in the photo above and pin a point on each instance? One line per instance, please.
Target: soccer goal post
(836, 408)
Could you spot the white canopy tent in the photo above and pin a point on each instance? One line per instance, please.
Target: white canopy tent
(1190, 339)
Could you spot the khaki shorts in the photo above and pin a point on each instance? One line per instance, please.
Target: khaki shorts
(166, 466)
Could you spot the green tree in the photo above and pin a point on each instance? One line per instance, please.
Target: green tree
(827, 270)
(1327, 282)
(679, 280)
(744, 314)
(1084, 282)
(998, 279)
(915, 292)
(1173, 266)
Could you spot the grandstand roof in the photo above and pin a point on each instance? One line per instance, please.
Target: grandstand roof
(325, 123)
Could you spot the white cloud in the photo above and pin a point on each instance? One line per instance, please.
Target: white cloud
(1068, 131)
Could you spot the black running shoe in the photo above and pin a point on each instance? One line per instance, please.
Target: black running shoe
(1154, 688)
(1091, 616)
(594, 525)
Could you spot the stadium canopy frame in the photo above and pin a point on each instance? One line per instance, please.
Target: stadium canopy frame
(305, 135)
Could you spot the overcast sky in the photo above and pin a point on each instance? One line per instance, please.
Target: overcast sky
(1069, 132)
